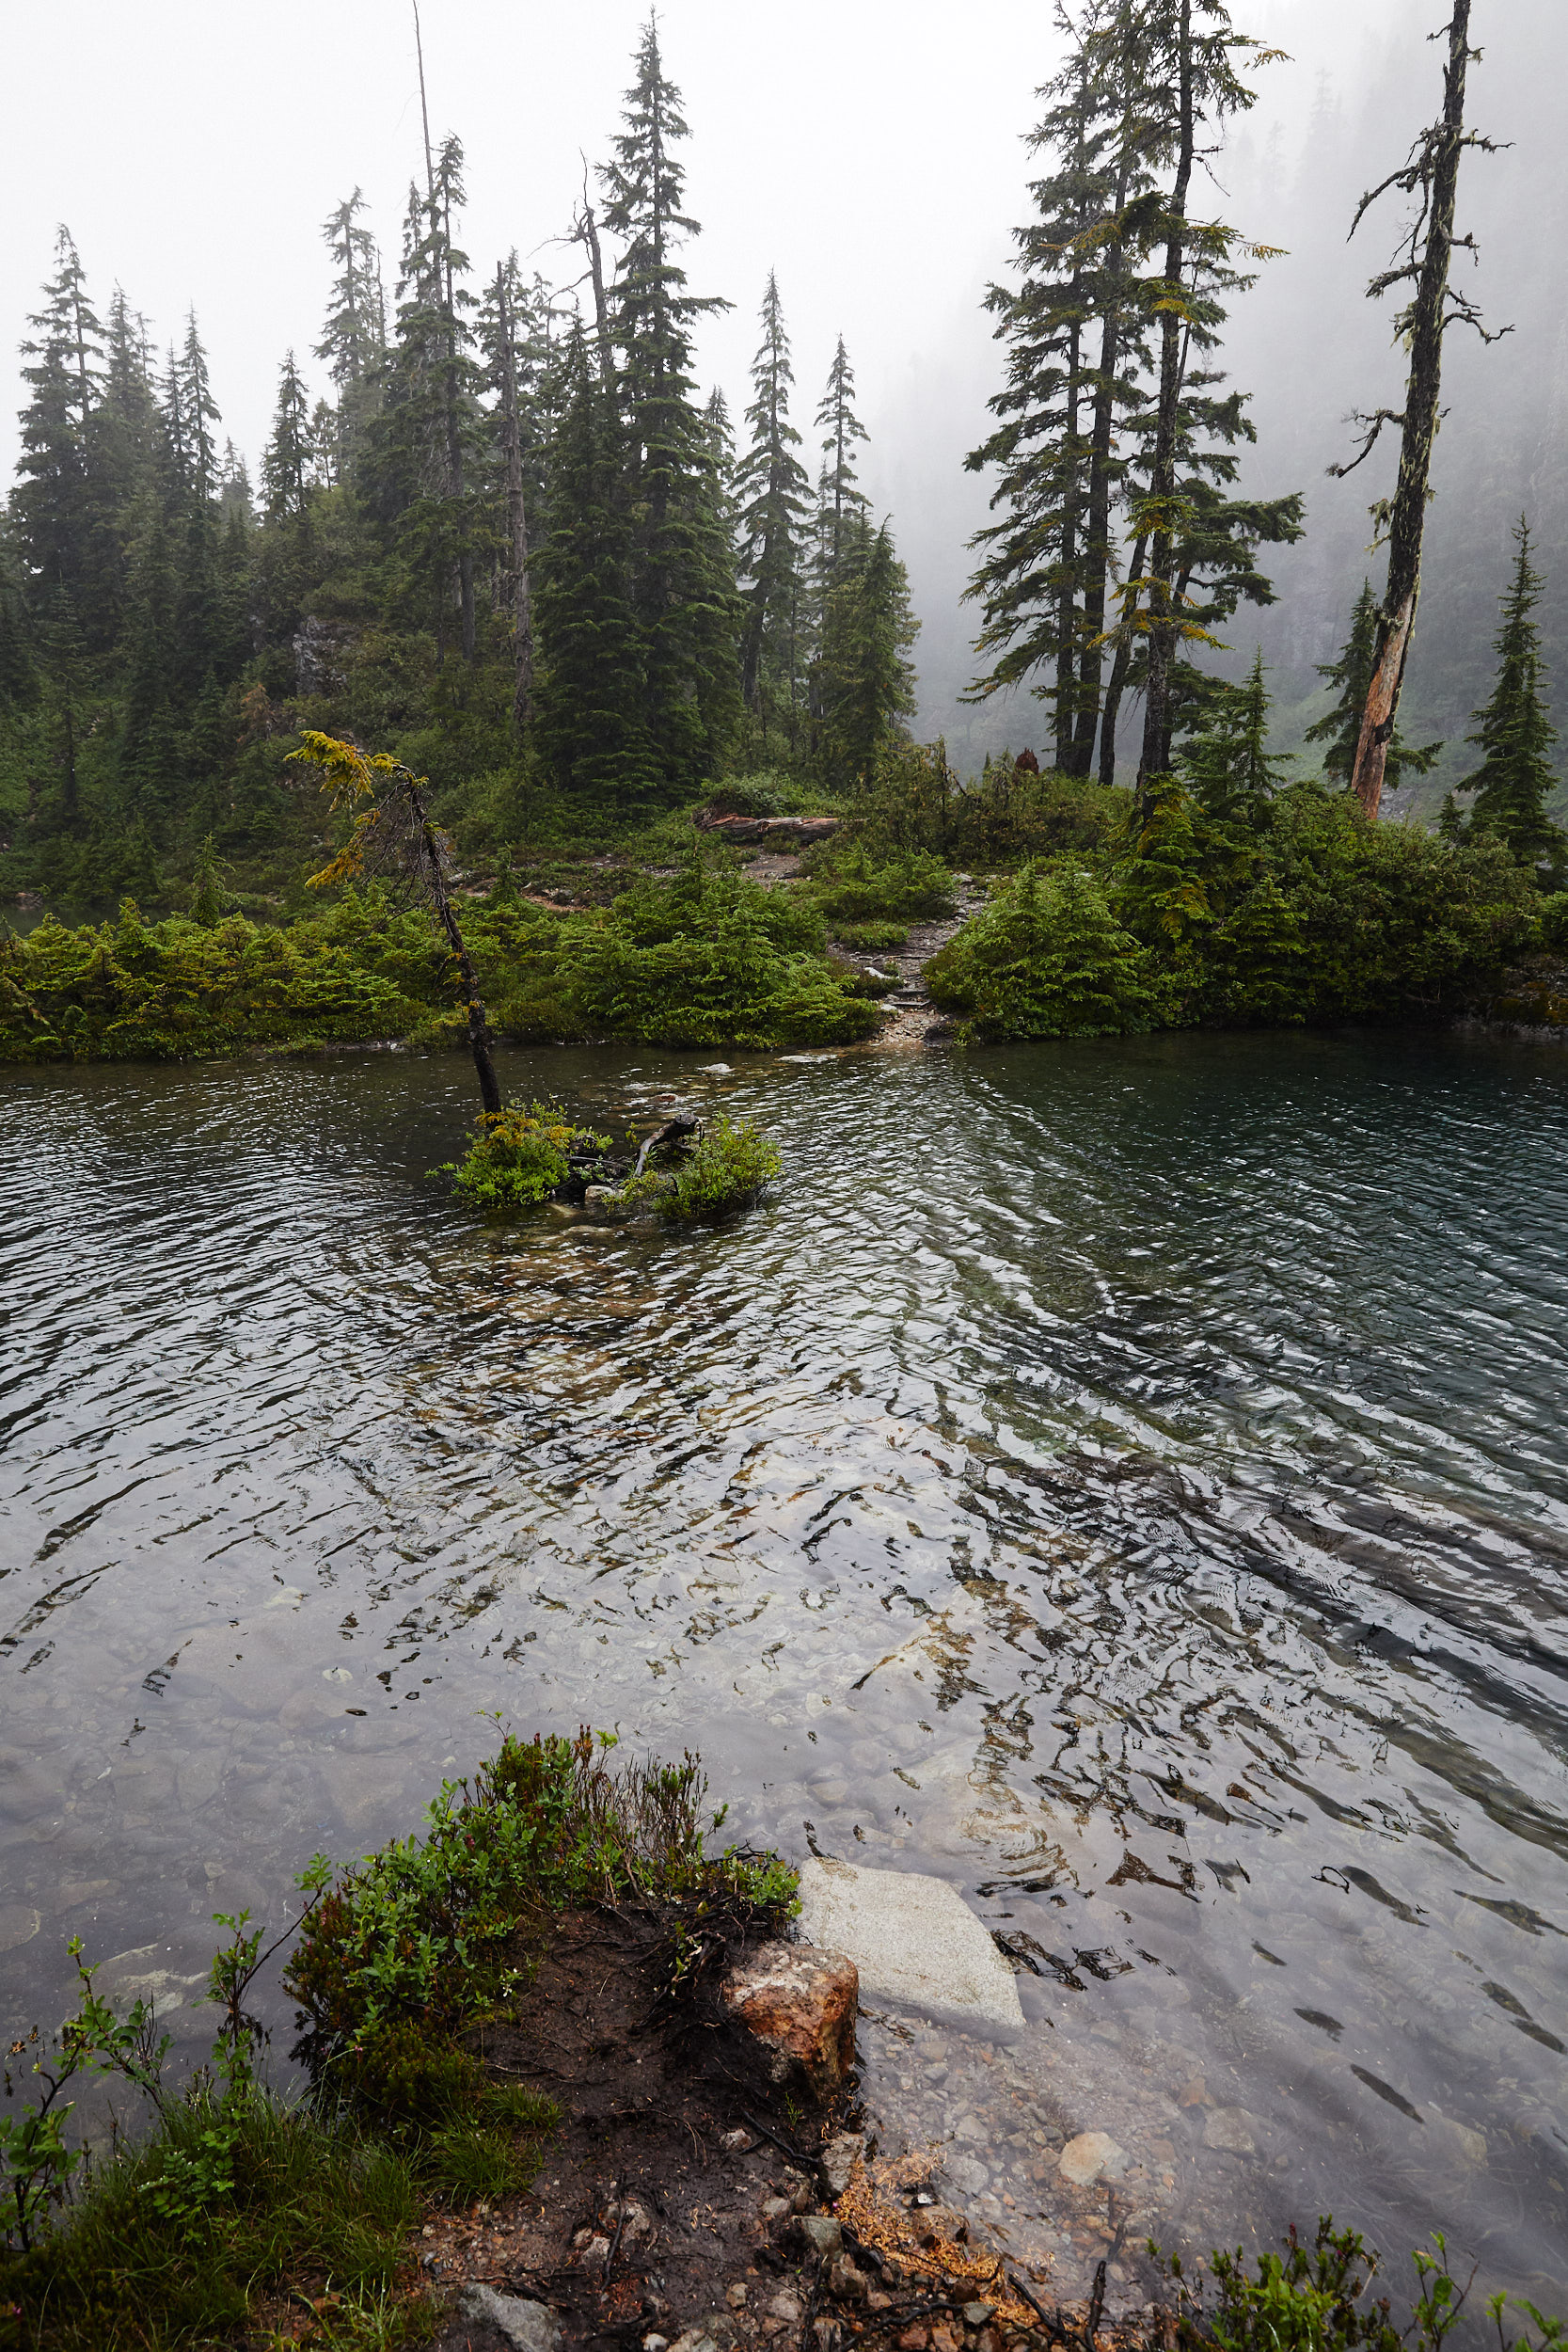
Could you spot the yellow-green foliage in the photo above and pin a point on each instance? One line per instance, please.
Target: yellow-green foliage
(706, 958)
(152, 991)
(520, 1155)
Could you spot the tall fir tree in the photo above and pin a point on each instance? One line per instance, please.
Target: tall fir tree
(1514, 729)
(683, 585)
(772, 493)
(123, 463)
(353, 335)
(290, 460)
(839, 496)
(512, 331)
(1340, 727)
(589, 726)
(1076, 345)
(424, 458)
(200, 413)
(62, 376)
(865, 677)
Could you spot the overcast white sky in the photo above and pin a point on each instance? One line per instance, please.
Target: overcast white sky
(868, 150)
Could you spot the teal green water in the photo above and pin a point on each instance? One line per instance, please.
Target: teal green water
(1128, 1478)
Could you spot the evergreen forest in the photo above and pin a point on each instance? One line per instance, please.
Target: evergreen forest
(520, 551)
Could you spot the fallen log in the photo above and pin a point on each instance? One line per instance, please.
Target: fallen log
(787, 832)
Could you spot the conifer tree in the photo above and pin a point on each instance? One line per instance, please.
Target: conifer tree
(19, 681)
(839, 496)
(199, 412)
(123, 444)
(771, 490)
(1226, 757)
(1044, 563)
(1513, 732)
(510, 320)
(354, 337)
(1193, 49)
(425, 455)
(1341, 728)
(149, 749)
(589, 724)
(683, 586)
(867, 680)
(291, 454)
(51, 497)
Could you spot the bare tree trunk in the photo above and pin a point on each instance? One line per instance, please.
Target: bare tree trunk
(1097, 548)
(479, 1026)
(1418, 427)
(586, 230)
(1161, 481)
(1066, 598)
(1119, 667)
(516, 515)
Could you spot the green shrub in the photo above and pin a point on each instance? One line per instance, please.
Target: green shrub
(869, 937)
(848, 885)
(1044, 958)
(422, 1936)
(1316, 2298)
(706, 958)
(912, 799)
(520, 1155)
(728, 1167)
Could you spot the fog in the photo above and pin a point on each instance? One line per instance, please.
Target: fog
(875, 157)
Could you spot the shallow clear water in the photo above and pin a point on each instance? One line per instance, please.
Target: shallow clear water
(1128, 1478)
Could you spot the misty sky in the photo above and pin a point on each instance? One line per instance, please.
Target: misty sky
(870, 152)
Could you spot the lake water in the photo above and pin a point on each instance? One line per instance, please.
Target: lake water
(1127, 1479)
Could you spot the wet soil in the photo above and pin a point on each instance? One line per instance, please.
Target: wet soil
(677, 2196)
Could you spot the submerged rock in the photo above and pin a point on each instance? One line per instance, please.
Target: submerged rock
(1092, 2156)
(799, 2006)
(915, 1940)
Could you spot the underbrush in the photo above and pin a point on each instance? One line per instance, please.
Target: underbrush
(869, 938)
(519, 1155)
(1044, 958)
(912, 801)
(1318, 2298)
(233, 2194)
(1307, 913)
(236, 2196)
(727, 1167)
(430, 1935)
(703, 958)
(849, 883)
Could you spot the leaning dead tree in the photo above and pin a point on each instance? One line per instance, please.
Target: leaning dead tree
(1422, 264)
(394, 839)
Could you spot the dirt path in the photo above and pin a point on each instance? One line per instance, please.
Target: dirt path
(909, 1018)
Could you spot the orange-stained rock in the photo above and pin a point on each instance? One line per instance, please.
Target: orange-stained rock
(798, 2003)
